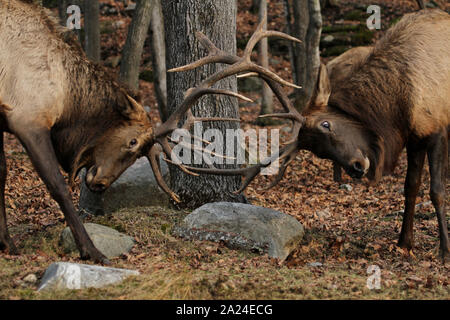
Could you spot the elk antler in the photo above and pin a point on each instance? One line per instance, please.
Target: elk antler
(238, 66)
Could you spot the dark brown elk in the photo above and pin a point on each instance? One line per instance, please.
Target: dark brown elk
(399, 96)
(67, 111)
(338, 69)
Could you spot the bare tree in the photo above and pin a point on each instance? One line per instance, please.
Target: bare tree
(134, 45)
(217, 20)
(92, 29)
(307, 26)
(267, 95)
(159, 59)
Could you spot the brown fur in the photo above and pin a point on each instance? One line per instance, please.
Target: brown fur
(402, 88)
(88, 100)
(66, 111)
(399, 95)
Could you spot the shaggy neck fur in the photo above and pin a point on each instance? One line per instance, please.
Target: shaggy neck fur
(377, 95)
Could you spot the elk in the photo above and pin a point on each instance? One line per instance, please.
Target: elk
(67, 111)
(338, 69)
(397, 97)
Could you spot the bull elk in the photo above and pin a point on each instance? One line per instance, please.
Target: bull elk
(68, 111)
(397, 97)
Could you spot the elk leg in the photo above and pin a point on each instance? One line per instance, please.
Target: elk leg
(438, 162)
(6, 242)
(41, 152)
(416, 158)
(337, 172)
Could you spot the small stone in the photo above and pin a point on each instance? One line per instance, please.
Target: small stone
(315, 264)
(63, 275)
(346, 187)
(131, 7)
(243, 226)
(110, 242)
(329, 38)
(31, 278)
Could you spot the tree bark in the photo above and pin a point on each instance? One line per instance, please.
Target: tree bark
(159, 59)
(92, 29)
(217, 19)
(267, 94)
(308, 28)
(62, 11)
(134, 45)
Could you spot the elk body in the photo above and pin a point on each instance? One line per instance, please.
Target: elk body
(396, 97)
(68, 112)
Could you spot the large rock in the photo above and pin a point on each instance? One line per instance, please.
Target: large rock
(109, 241)
(243, 226)
(63, 275)
(136, 187)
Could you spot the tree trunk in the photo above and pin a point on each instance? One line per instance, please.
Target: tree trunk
(217, 19)
(159, 59)
(267, 95)
(62, 11)
(92, 29)
(134, 45)
(307, 27)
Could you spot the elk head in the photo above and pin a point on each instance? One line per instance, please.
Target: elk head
(332, 135)
(133, 136)
(320, 129)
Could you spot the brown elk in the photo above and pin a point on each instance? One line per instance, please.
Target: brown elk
(338, 69)
(68, 111)
(398, 96)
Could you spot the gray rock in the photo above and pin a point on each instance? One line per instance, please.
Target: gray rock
(63, 275)
(346, 187)
(315, 264)
(136, 187)
(328, 38)
(243, 226)
(109, 241)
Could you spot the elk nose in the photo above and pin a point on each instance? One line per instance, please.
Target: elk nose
(358, 167)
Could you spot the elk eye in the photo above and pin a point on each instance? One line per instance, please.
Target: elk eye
(133, 142)
(326, 125)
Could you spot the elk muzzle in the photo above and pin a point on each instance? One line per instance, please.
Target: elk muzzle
(93, 182)
(358, 166)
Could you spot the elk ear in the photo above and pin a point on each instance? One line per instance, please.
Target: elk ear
(131, 109)
(323, 88)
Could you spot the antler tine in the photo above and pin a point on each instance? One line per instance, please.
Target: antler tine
(237, 66)
(215, 55)
(260, 33)
(153, 158)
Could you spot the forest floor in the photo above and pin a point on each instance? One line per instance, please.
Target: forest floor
(346, 231)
